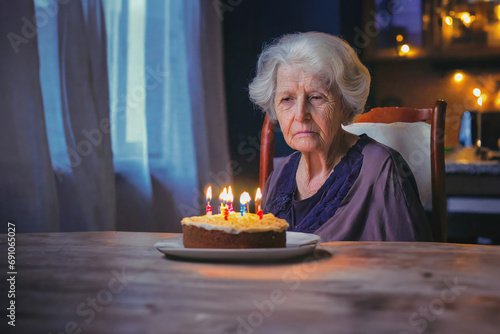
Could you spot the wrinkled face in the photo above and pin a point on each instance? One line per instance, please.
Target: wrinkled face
(309, 114)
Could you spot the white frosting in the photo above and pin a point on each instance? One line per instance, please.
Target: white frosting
(227, 229)
(236, 224)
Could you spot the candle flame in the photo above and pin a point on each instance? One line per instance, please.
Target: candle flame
(230, 196)
(223, 195)
(245, 198)
(258, 195)
(209, 193)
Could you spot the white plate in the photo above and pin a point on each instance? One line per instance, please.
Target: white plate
(297, 244)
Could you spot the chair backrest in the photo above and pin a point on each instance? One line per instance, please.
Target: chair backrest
(436, 117)
(412, 141)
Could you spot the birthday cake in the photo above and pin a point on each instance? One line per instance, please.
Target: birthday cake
(247, 231)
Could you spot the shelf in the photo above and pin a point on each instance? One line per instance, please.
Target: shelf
(446, 30)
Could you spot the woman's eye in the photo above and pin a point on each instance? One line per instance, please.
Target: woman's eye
(286, 99)
(316, 97)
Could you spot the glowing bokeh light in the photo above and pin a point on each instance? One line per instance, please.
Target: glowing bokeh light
(465, 18)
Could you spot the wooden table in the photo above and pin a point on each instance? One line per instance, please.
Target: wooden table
(117, 282)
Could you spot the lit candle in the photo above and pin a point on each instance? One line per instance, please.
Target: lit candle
(225, 209)
(222, 200)
(258, 197)
(225, 212)
(244, 200)
(209, 198)
(230, 199)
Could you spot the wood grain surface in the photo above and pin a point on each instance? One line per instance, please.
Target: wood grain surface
(117, 282)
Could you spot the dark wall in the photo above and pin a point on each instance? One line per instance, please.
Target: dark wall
(248, 25)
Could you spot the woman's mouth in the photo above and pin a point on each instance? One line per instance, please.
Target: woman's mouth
(304, 134)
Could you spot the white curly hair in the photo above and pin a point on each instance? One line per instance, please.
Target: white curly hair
(323, 55)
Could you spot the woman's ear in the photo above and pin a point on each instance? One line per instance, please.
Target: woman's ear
(346, 113)
(346, 116)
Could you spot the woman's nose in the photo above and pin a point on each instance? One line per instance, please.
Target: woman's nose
(302, 112)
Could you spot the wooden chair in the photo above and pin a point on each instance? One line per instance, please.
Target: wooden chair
(436, 117)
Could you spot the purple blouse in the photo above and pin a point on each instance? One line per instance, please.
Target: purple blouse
(370, 195)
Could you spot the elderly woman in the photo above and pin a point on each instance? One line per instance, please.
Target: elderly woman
(337, 185)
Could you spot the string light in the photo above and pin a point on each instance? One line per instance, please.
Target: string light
(481, 99)
(465, 18)
(458, 77)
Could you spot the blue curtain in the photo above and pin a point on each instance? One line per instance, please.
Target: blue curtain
(167, 107)
(28, 195)
(85, 113)
(113, 113)
(62, 177)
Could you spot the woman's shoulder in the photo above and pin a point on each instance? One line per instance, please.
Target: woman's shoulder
(375, 152)
(382, 163)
